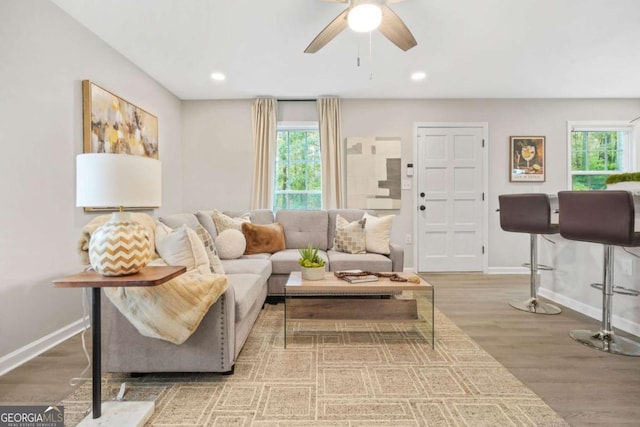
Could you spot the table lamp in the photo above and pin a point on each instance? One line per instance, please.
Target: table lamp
(121, 246)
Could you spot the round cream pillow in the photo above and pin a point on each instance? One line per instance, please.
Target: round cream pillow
(230, 244)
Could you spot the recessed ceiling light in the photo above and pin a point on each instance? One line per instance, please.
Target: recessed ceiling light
(218, 76)
(418, 76)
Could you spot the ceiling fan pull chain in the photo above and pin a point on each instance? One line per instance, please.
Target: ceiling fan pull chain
(358, 53)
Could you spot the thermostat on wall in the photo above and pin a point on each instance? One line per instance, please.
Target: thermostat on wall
(409, 169)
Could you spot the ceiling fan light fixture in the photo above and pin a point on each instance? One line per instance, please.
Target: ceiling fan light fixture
(364, 17)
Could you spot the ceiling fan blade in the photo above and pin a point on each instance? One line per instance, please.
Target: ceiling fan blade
(395, 30)
(328, 33)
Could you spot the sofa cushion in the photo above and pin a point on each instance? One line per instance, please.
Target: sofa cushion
(302, 228)
(349, 236)
(206, 220)
(260, 267)
(348, 214)
(176, 220)
(260, 238)
(284, 262)
(256, 256)
(246, 288)
(339, 261)
(257, 216)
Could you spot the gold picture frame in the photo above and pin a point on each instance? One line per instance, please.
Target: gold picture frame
(112, 124)
(527, 163)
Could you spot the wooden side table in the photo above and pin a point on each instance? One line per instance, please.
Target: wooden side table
(148, 276)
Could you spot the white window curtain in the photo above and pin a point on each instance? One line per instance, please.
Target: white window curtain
(331, 149)
(264, 118)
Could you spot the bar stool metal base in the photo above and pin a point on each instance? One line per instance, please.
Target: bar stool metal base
(609, 343)
(534, 305)
(543, 267)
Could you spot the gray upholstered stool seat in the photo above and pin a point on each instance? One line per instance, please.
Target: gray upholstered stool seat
(529, 213)
(606, 217)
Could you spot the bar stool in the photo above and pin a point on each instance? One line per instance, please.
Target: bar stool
(529, 213)
(605, 217)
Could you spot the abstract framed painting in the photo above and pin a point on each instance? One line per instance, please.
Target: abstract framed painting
(373, 173)
(527, 163)
(114, 125)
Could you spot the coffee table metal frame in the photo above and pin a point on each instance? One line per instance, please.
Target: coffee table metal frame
(386, 310)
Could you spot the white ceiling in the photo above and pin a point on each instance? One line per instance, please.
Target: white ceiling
(468, 48)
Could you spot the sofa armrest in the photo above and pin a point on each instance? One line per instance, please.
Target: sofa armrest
(211, 348)
(397, 257)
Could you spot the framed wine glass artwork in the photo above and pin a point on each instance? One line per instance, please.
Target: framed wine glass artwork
(527, 162)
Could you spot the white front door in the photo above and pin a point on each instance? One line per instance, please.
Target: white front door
(450, 198)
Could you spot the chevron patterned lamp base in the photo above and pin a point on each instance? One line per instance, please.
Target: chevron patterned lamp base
(120, 247)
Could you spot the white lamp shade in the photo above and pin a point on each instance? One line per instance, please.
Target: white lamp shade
(117, 180)
(364, 17)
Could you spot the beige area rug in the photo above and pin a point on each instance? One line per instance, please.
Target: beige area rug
(339, 374)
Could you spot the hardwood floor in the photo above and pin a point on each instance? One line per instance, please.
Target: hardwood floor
(586, 387)
(45, 379)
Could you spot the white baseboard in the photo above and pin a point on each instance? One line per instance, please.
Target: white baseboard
(507, 270)
(593, 312)
(31, 350)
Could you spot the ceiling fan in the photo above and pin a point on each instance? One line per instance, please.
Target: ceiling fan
(365, 16)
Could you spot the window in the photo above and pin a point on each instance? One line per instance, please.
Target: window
(298, 172)
(597, 151)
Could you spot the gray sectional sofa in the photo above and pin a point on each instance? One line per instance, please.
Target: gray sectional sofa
(215, 345)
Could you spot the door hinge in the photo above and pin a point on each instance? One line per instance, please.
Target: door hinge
(483, 143)
(483, 196)
(482, 249)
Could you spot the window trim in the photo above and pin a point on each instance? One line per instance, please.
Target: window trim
(602, 125)
(291, 126)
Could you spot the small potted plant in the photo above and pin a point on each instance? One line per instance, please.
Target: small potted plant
(311, 265)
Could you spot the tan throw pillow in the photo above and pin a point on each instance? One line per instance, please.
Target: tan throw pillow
(182, 246)
(210, 247)
(261, 239)
(225, 222)
(350, 236)
(377, 233)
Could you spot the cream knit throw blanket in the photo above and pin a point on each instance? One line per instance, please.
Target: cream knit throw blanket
(171, 311)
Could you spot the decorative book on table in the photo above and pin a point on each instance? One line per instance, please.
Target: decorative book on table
(356, 276)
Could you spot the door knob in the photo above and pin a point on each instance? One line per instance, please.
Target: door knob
(421, 194)
(422, 207)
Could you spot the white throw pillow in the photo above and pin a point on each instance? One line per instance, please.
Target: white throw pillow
(231, 244)
(182, 246)
(377, 233)
(350, 236)
(225, 222)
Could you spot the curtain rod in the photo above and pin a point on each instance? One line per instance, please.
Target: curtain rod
(634, 119)
(297, 100)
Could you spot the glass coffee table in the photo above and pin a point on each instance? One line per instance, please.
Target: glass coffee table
(335, 299)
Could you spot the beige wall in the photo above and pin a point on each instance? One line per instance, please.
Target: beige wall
(45, 56)
(218, 148)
